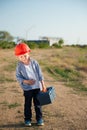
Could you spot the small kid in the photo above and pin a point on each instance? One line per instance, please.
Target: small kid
(29, 75)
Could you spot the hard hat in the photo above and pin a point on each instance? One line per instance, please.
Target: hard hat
(21, 49)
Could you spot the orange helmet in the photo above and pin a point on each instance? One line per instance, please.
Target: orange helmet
(21, 49)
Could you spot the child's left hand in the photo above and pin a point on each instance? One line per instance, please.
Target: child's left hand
(44, 89)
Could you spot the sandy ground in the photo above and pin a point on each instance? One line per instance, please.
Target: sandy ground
(67, 112)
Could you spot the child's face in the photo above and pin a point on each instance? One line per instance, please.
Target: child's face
(24, 58)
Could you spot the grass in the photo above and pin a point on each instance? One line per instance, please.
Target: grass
(13, 105)
(76, 85)
(4, 103)
(72, 78)
(10, 67)
(66, 64)
(6, 78)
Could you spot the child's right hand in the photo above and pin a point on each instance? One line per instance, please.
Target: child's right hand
(29, 82)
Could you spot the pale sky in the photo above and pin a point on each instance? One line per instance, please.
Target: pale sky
(32, 19)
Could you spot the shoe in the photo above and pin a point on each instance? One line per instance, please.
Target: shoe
(27, 123)
(40, 122)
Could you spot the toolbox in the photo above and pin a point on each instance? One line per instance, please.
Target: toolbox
(47, 97)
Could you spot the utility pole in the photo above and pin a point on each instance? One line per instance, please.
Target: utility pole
(27, 31)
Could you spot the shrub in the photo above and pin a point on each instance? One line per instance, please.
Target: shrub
(43, 45)
(56, 45)
(5, 44)
(32, 45)
(38, 44)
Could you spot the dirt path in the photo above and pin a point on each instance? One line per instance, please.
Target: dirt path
(67, 112)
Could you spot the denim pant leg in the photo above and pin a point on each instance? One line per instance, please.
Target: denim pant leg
(27, 106)
(37, 105)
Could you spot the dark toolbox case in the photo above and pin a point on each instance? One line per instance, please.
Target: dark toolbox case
(46, 97)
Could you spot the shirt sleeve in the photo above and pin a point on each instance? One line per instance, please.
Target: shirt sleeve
(19, 76)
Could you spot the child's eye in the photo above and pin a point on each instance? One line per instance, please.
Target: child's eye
(21, 56)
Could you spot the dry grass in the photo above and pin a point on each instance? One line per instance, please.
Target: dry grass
(68, 111)
(66, 64)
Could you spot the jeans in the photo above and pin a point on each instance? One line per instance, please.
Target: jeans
(29, 95)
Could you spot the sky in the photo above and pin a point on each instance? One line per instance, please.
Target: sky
(33, 19)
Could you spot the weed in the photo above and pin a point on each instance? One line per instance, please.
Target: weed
(71, 77)
(76, 85)
(6, 78)
(4, 103)
(13, 105)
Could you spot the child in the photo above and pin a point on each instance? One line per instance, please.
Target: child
(29, 75)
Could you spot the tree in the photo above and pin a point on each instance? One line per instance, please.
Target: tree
(61, 42)
(5, 36)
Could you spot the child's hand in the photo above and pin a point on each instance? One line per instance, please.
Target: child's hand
(44, 89)
(29, 82)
